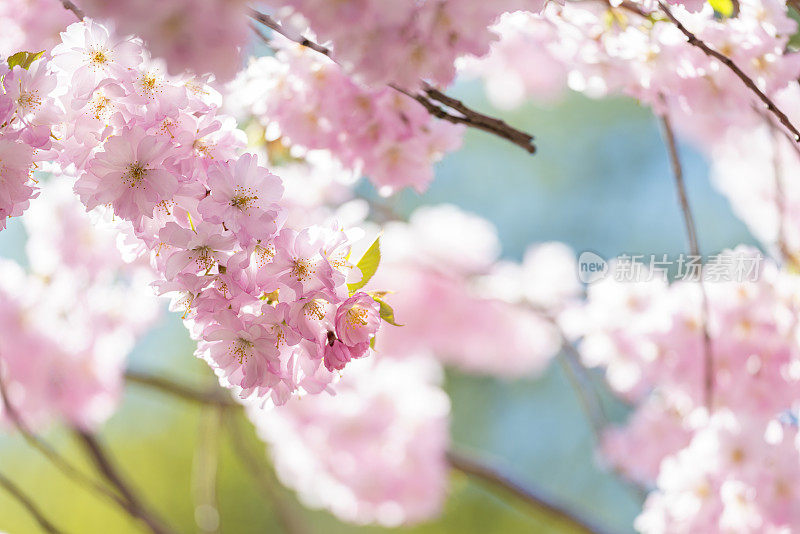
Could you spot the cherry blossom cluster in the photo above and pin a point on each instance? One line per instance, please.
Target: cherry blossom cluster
(201, 36)
(754, 169)
(443, 261)
(269, 304)
(597, 49)
(69, 321)
(374, 452)
(27, 114)
(382, 133)
(734, 476)
(405, 41)
(650, 338)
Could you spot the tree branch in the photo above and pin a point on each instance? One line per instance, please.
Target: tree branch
(28, 504)
(725, 60)
(579, 378)
(430, 98)
(529, 495)
(106, 467)
(75, 9)
(469, 117)
(277, 27)
(214, 396)
(52, 455)
(691, 231)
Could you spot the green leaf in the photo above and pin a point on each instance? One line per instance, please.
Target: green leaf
(368, 265)
(271, 298)
(726, 8)
(386, 311)
(23, 59)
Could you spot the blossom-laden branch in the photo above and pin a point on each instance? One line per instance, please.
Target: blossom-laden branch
(104, 464)
(694, 248)
(28, 504)
(438, 104)
(728, 62)
(531, 496)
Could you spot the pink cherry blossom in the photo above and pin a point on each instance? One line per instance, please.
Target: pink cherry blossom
(243, 197)
(130, 173)
(16, 188)
(374, 452)
(357, 319)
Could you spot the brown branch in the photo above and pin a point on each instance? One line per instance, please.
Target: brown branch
(52, 455)
(28, 504)
(429, 99)
(215, 396)
(728, 62)
(75, 9)
(106, 467)
(530, 496)
(677, 171)
(277, 27)
(691, 231)
(469, 117)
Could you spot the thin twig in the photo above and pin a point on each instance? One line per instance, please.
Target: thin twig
(472, 119)
(277, 27)
(291, 522)
(75, 9)
(579, 378)
(214, 396)
(429, 99)
(677, 171)
(581, 383)
(792, 258)
(728, 62)
(779, 197)
(530, 496)
(28, 504)
(102, 460)
(694, 247)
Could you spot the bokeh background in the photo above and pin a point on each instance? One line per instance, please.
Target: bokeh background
(600, 181)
